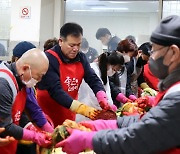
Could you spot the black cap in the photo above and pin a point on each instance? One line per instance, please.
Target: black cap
(167, 32)
(21, 48)
(146, 48)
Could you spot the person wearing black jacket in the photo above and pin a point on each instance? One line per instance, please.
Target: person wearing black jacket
(104, 35)
(91, 53)
(136, 69)
(120, 83)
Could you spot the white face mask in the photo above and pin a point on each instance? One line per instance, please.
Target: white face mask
(126, 58)
(84, 51)
(110, 72)
(31, 83)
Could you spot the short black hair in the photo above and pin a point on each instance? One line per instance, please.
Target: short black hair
(71, 29)
(146, 48)
(50, 43)
(101, 32)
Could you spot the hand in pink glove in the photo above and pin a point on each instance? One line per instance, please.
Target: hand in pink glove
(100, 124)
(152, 101)
(47, 127)
(132, 97)
(31, 127)
(104, 105)
(41, 139)
(147, 101)
(123, 99)
(83, 138)
(103, 101)
(113, 108)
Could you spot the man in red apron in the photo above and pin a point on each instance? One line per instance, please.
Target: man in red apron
(57, 92)
(13, 78)
(157, 131)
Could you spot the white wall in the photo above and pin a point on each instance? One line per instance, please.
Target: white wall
(46, 21)
(58, 16)
(138, 24)
(51, 19)
(25, 29)
(5, 18)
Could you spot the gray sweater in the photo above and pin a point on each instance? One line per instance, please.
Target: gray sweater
(158, 130)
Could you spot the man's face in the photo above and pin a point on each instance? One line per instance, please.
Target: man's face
(70, 46)
(158, 51)
(36, 73)
(104, 39)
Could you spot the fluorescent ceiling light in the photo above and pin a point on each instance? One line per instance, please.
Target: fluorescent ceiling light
(108, 8)
(84, 10)
(115, 2)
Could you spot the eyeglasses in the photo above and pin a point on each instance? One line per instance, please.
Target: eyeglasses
(153, 51)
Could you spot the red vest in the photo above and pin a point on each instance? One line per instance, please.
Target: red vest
(17, 109)
(71, 75)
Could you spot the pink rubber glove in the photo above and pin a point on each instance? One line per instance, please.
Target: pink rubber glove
(121, 98)
(152, 101)
(114, 108)
(104, 105)
(147, 101)
(132, 97)
(31, 127)
(102, 99)
(100, 124)
(82, 138)
(47, 127)
(101, 96)
(41, 139)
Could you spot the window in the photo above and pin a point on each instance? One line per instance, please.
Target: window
(122, 18)
(5, 18)
(171, 8)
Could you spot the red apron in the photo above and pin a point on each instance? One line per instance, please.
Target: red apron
(157, 100)
(71, 75)
(17, 109)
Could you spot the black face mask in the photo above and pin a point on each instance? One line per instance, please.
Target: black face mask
(157, 67)
(141, 62)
